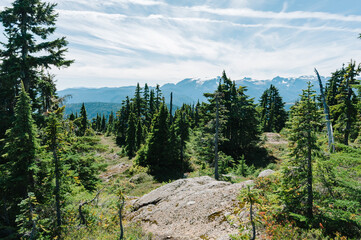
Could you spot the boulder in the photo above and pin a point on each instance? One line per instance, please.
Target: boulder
(266, 173)
(194, 208)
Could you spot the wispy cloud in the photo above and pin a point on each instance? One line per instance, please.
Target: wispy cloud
(250, 13)
(121, 42)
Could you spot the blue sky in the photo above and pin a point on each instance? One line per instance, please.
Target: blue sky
(122, 42)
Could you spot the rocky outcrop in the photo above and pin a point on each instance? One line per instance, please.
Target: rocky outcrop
(266, 173)
(194, 208)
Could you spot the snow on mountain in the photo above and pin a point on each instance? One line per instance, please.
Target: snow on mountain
(190, 90)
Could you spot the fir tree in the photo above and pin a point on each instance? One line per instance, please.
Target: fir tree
(130, 140)
(182, 126)
(273, 114)
(54, 137)
(238, 130)
(158, 96)
(298, 174)
(72, 117)
(344, 111)
(110, 125)
(28, 25)
(103, 124)
(98, 123)
(83, 121)
(152, 107)
(20, 152)
(333, 86)
(138, 101)
(139, 133)
(158, 153)
(122, 122)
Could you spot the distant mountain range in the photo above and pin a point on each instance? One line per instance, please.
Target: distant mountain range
(189, 91)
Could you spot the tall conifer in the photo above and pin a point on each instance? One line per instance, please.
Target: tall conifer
(28, 24)
(83, 121)
(20, 151)
(298, 174)
(130, 140)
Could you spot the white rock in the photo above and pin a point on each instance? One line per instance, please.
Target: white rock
(266, 173)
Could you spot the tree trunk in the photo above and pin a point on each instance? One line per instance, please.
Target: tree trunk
(348, 115)
(171, 107)
(251, 216)
(216, 176)
(120, 220)
(309, 180)
(24, 53)
(57, 190)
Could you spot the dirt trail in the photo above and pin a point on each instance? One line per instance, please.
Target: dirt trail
(116, 164)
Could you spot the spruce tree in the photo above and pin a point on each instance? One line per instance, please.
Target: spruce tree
(103, 124)
(139, 134)
(98, 123)
(158, 153)
(28, 24)
(130, 140)
(182, 126)
(344, 111)
(110, 125)
(158, 96)
(72, 117)
(138, 101)
(298, 174)
(239, 131)
(83, 121)
(333, 85)
(152, 107)
(121, 122)
(273, 115)
(54, 137)
(21, 146)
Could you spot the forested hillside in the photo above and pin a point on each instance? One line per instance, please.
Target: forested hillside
(82, 175)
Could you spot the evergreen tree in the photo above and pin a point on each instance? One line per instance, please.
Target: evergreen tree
(196, 115)
(298, 174)
(54, 137)
(20, 153)
(344, 111)
(146, 99)
(83, 121)
(103, 124)
(333, 86)
(122, 122)
(273, 114)
(158, 96)
(152, 107)
(110, 125)
(138, 101)
(139, 134)
(159, 153)
(98, 123)
(72, 117)
(130, 140)
(28, 24)
(182, 126)
(239, 131)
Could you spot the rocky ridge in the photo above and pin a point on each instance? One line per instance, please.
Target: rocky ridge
(194, 208)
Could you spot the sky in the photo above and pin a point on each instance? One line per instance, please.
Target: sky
(121, 42)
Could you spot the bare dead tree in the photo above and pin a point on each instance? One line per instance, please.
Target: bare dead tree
(120, 209)
(81, 215)
(331, 141)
